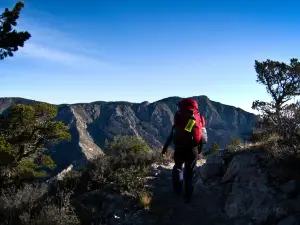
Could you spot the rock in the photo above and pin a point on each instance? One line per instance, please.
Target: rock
(251, 199)
(280, 212)
(290, 206)
(289, 187)
(244, 221)
(250, 194)
(240, 147)
(241, 165)
(290, 220)
(212, 168)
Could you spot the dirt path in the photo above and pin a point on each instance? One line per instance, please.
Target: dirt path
(206, 206)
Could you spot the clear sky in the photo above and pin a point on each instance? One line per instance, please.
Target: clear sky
(146, 50)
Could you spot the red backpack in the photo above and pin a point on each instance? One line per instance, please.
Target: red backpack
(188, 123)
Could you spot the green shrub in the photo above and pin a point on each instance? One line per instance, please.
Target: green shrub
(115, 181)
(125, 144)
(24, 132)
(90, 196)
(234, 143)
(123, 172)
(214, 147)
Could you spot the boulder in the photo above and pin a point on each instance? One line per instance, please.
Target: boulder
(250, 194)
(241, 165)
(290, 206)
(290, 220)
(212, 167)
(290, 187)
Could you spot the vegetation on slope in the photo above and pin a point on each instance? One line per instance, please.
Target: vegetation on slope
(109, 187)
(24, 132)
(281, 116)
(114, 185)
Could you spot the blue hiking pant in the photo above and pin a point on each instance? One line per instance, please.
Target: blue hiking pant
(188, 157)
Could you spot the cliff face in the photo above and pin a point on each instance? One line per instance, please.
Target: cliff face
(91, 123)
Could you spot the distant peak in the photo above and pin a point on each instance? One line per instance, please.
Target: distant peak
(145, 103)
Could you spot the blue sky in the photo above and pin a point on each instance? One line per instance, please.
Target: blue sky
(135, 50)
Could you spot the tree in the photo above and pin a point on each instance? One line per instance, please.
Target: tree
(282, 82)
(10, 39)
(24, 133)
(280, 117)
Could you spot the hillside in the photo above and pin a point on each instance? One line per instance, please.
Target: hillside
(91, 123)
(233, 188)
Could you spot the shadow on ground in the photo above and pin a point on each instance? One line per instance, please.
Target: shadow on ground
(206, 206)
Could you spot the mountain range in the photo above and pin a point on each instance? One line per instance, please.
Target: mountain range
(92, 123)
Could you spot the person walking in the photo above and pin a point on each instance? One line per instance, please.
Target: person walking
(188, 135)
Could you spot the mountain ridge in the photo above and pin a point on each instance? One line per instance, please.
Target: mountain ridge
(92, 123)
(122, 101)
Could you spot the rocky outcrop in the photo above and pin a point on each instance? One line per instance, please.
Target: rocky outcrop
(86, 142)
(233, 188)
(92, 123)
(213, 167)
(250, 195)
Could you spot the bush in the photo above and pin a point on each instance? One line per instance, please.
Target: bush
(32, 204)
(214, 147)
(234, 143)
(125, 144)
(108, 185)
(259, 136)
(124, 172)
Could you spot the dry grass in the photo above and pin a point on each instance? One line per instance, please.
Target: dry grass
(145, 200)
(264, 142)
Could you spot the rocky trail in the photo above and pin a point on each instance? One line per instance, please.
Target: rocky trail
(169, 208)
(234, 192)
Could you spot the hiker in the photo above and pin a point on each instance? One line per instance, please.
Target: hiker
(188, 138)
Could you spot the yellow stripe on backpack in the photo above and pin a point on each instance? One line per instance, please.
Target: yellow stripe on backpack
(190, 125)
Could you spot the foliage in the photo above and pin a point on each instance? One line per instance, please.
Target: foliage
(279, 116)
(214, 147)
(6, 151)
(282, 82)
(10, 39)
(234, 143)
(24, 132)
(125, 144)
(258, 136)
(34, 205)
(108, 186)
